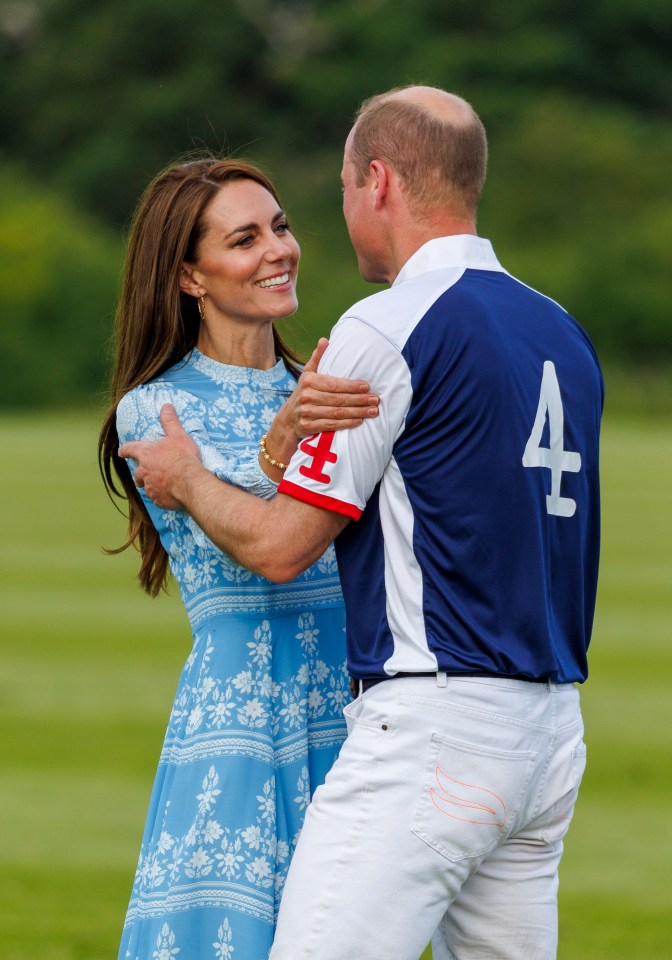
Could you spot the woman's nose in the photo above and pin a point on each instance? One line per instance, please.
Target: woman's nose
(279, 249)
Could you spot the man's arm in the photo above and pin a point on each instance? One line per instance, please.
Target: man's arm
(277, 538)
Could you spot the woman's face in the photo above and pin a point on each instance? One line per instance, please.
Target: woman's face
(247, 259)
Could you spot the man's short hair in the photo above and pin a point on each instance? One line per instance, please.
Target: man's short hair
(440, 164)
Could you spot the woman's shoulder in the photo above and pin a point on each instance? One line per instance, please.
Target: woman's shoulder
(138, 411)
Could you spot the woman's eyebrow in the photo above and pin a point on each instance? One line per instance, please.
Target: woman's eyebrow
(247, 226)
(254, 226)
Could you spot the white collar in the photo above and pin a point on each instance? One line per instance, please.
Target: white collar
(462, 250)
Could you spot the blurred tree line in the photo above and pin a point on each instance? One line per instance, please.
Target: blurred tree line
(95, 98)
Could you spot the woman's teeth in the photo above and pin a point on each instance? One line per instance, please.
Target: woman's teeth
(274, 281)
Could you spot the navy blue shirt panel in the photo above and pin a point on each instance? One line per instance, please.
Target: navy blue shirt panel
(498, 568)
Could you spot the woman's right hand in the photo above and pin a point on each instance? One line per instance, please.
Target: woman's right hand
(321, 402)
(318, 404)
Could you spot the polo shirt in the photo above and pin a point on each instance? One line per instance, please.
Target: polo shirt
(476, 490)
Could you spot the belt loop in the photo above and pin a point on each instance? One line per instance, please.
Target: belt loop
(441, 679)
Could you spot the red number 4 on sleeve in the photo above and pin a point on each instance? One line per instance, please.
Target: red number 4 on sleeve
(320, 453)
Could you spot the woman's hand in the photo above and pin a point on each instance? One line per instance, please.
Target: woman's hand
(319, 403)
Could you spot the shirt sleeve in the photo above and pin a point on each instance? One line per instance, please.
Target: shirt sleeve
(338, 471)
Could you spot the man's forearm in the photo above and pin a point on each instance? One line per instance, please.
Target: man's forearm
(235, 521)
(277, 538)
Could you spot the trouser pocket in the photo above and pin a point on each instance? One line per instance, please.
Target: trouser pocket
(470, 796)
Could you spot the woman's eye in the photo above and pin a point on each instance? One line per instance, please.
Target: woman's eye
(283, 227)
(245, 241)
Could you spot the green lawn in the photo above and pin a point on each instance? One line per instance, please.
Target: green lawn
(89, 667)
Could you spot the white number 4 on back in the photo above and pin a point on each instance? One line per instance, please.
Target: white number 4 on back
(554, 456)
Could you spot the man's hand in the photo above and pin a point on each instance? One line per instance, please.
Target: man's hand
(163, 463)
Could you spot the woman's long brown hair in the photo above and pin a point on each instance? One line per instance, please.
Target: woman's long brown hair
(157, 324)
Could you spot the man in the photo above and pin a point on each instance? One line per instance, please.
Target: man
(469, 576)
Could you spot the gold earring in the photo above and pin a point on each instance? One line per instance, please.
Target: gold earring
(201, 307)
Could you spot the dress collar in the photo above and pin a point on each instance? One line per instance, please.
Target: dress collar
(229, 373)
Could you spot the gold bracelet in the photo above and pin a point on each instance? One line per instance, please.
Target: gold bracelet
(266, 455)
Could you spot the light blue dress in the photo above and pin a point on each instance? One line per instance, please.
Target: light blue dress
(257, 719)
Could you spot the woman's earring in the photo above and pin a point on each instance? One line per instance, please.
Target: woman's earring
(201, 308)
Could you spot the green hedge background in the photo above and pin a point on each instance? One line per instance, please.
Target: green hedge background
(95, 99)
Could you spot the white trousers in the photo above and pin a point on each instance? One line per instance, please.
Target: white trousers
(442, 818)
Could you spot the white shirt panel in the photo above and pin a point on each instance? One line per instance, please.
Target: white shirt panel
(403, 579)
(349, 469)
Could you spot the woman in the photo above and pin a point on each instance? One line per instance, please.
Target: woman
(257, 717)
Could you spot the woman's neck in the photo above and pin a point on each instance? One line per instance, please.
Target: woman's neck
(248, 346)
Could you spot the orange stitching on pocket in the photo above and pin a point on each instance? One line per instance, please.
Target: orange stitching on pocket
(444, 796)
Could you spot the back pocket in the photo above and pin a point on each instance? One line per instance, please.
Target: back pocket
(470, 796)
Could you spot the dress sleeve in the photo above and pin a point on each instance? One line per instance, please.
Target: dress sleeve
(246, 474)
(138, 418)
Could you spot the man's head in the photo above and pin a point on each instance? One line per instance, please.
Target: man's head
(433, 139)
(428, 143)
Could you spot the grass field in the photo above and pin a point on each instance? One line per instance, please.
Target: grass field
(89, 667)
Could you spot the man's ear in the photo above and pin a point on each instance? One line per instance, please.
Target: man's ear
(379, 182)
(189, 281)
